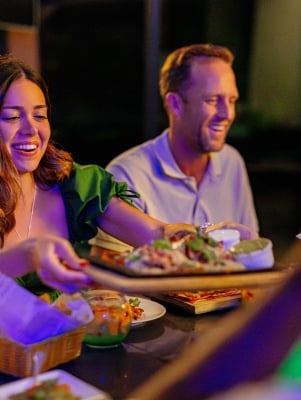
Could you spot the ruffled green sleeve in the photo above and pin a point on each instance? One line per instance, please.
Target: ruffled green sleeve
(86, 195)
(33, 284)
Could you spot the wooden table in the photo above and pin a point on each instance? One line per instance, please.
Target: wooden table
(146, 349)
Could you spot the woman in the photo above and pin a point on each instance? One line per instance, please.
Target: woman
(43, 191)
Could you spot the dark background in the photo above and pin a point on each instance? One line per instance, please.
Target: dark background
(94, 56)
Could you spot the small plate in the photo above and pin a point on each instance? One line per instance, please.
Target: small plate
(152, 311)
(78, 387)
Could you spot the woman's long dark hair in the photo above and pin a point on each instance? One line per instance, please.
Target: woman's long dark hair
(55, 165)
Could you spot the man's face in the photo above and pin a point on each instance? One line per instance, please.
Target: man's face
(208, 105)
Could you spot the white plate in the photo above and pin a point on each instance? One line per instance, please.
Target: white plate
(78, 387)
(152, 310)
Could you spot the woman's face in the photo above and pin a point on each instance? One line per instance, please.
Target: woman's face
(24, 125)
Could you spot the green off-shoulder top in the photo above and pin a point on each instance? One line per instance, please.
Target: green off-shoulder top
(86, 194)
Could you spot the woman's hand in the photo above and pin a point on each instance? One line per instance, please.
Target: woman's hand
(58, 266)
(52, 257)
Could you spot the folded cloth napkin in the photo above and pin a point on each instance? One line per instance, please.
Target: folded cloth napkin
(27, 319)
(298, 236)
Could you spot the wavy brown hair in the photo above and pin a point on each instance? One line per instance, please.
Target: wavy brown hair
(55, 165)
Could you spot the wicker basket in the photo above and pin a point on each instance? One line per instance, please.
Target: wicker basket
(17, 359)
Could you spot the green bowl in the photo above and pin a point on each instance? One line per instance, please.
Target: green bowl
(104, 341)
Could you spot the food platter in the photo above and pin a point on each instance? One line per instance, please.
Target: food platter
(77, 386)
(152, 311)
(114, 262)
(111, 274)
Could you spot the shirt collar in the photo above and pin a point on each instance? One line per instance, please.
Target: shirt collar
(169, 165)
(215, 165)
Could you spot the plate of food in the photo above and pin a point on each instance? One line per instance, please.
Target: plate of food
(187, 255)
(144, 310)
(61, 384)
(185, 261)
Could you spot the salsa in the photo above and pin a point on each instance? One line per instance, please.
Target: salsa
(249, 246)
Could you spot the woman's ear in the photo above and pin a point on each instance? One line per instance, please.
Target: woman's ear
(174, 103)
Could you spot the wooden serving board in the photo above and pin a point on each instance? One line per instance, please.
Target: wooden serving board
(157, 284)
(117, 280)
(201, 306)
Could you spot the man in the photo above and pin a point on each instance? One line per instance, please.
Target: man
(188, 173)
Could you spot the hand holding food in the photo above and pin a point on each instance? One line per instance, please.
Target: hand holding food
(245, 231)
(52, 257)
(57, 264)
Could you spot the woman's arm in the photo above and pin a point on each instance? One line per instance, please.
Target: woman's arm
(136, 228)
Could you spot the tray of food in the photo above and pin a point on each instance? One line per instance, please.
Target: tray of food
(189, 254)
(185, 262)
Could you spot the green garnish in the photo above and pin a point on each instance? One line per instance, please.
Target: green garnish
(133, 257)
(196, 244)
(206, 238)
(208, 254)
(211, 241)
(135, 302)
(162, 244)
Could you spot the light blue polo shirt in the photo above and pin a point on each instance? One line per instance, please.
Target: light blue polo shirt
(169, 195)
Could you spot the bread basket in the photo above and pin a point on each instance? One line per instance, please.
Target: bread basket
(17, 359)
